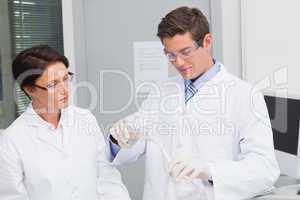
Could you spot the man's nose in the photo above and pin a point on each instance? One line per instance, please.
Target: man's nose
(179, 61)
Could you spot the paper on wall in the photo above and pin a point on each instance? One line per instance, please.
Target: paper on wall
(150, 64)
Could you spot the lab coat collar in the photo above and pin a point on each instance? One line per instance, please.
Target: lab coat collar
(220, 76)
(34, 119)
(214, 79)
(208, 75)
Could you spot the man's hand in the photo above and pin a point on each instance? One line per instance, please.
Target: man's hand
(125, 135)
(184, 171)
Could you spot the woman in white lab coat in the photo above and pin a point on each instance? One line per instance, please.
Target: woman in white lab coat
(206, 135)
(53, 151)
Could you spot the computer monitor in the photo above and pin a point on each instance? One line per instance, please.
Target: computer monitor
(285, 114)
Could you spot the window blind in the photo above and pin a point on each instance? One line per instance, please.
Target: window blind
(34, 22)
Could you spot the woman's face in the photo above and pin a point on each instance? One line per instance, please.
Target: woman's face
(52, 88)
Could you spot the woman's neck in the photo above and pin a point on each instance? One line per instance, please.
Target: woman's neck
(50, 116)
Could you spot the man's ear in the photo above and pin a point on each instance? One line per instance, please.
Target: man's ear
(207, 41)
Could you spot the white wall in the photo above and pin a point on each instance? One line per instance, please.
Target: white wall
(231, 35)
(271, 46)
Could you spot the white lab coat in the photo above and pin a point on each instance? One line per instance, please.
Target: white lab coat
(224, 128)
(34, 166)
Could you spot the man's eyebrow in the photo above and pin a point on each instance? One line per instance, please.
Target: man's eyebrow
(180, 50)
(183, 49)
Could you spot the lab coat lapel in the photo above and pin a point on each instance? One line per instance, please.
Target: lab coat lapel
(67, 136)
(180, 82)
(182, 143)
(48, 139)
(177, 138)
(35, 121)
(68, 126)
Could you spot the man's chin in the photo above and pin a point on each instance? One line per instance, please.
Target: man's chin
(187, 76)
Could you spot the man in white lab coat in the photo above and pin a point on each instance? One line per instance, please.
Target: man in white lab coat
(205, 134)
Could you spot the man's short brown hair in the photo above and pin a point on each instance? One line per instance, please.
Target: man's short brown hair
(183, 20)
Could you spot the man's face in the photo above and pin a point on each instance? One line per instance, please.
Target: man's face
(188, 59)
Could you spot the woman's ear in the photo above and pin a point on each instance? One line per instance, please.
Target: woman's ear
(30, 90)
